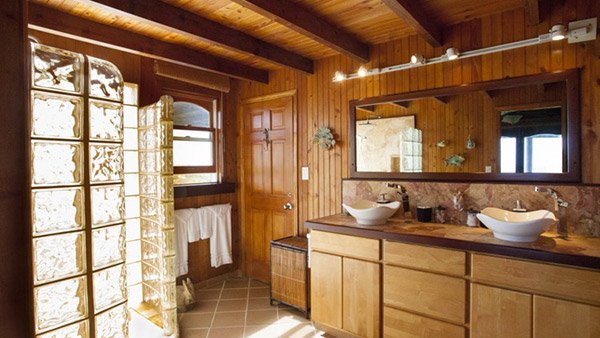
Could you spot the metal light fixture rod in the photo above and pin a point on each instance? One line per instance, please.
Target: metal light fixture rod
(544, 38)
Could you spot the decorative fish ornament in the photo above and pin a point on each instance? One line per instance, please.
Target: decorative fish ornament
(470, 143)
(454, 160)
(441, 143)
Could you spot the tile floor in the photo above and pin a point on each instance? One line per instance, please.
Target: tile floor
(240, 307)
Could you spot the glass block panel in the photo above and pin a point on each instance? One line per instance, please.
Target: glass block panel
(106, 81)
(134, 273)
(132, 207)
(109, 287)
(131, 161)
(149, 185)
(56, 69)
(169, 322)
(134, 295)
(151, 296)
(169, 267)
(134, 251)
(106, 120)
(106, 163)
(148, 138)
(107, 205)
(166, 216)
(132, 185)
(77, 330)
(133, 230)
(166, 161)
(56, 163)
(108, 245)
(130, 117)
(151, 274)
(150, 251)
(166, 133)
(169, 298)
(130, 94)
(130, 139)
(167, 191)
(60, 303)
(113, 323)
(58, 256)
(56, 116)
(149, 229)
(148, 163)
(167, 242)
(150, 207)
(57, 210)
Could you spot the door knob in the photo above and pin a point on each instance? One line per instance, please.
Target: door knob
(288, 206)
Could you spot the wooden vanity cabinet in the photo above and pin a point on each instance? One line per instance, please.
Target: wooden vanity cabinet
(531, 299)
(345, 282)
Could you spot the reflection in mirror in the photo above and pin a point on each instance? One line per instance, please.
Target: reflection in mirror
(520, 129)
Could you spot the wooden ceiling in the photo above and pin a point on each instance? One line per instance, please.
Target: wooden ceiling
(254, 35)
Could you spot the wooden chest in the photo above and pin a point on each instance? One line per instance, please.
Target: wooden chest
(290, 276)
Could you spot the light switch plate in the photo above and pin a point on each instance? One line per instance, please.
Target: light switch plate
(488, 168)
(305, 173)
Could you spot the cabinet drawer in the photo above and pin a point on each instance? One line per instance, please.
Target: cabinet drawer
(399, 324)
(427, 293)
(344, 245)
(451, 262)
(546, 279)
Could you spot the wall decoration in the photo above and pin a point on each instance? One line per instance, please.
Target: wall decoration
(324, 138)
(441, 143)
(454, 160)
(471, 143)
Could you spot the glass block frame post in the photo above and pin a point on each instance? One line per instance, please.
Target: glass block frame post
(155, 138)
(77, 196)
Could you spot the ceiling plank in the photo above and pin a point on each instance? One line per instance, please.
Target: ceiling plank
(57, 22)
(209, 31)
(532, 12)
(306, 22)
(412, 13)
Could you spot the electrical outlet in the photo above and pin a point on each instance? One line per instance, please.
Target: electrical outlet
(305, 173)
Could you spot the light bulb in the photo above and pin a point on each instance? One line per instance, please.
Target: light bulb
(417, 59)
(339, 76)
(362, 71)
(558, 32)
(452, 53)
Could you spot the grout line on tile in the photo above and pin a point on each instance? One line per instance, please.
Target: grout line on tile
(215, 313)
(246, 311)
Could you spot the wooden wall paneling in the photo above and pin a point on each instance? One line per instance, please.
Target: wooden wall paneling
(15, 248)
(487, 31)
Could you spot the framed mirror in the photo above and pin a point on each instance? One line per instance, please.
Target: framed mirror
(516, 129)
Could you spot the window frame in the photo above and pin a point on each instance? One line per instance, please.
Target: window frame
(201, 98)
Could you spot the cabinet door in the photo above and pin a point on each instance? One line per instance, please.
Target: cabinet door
(561, 318)
(400, 324)
(499, 313)
(361, 297)
(326, 289)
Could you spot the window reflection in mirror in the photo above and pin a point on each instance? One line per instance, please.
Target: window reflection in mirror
(532, 141)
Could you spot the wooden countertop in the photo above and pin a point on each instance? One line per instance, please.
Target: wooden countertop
(575, 250)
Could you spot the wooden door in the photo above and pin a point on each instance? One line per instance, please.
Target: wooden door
(499, 313)
(560, 318)
(326, 289)
(269, 179)
(360, 292)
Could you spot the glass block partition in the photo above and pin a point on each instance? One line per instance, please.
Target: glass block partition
(77, 195)
(155, 145)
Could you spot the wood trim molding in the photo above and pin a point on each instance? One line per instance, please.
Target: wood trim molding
(204, 189)
(573, 174)
(268, 97)
(210, 31)
(412, 13)
(59, 23)
(304, 21)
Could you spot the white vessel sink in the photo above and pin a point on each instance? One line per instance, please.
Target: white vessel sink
(371, 213)
(516, 226)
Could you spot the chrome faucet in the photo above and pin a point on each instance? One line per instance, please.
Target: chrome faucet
(560, 207)
(402, 194)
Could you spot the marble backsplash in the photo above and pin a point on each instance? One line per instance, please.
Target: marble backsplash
(583, 213)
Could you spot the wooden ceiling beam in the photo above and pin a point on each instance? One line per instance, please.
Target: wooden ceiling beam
(412, 13)
(532, 12)
(57, 22)
(298, 18)
(209, 31)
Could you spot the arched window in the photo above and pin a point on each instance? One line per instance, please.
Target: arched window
(195, 140)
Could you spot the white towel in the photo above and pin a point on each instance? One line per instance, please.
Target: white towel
(200, 225)
(182, 219)
(220, 241)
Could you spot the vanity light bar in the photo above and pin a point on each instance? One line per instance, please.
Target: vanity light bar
(579, 31)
